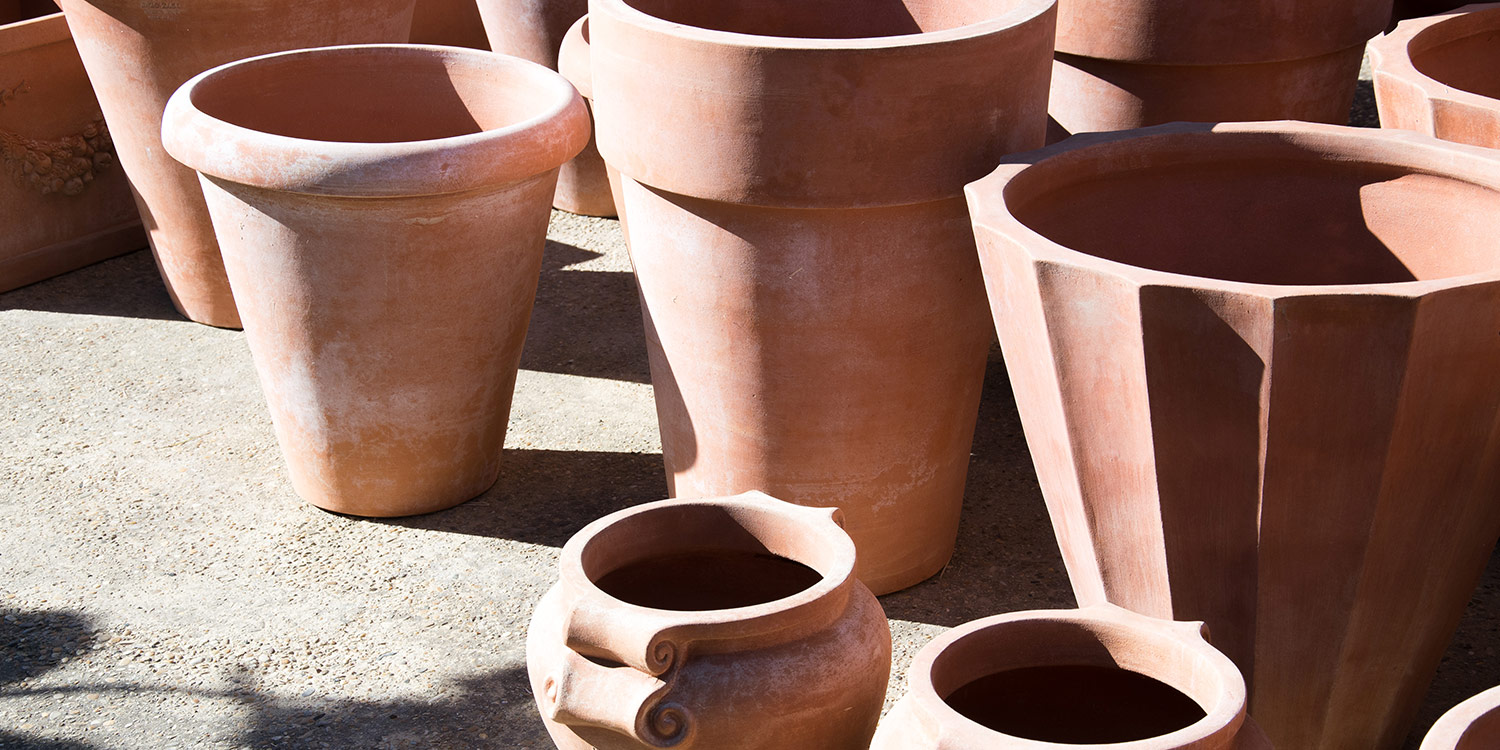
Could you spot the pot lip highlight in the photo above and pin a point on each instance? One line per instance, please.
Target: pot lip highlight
(989, 206)
(1448, 733)
(1390, 53)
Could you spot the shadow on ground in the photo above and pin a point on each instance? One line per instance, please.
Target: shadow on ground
(124, 287)
(585, 322)
(33, 643)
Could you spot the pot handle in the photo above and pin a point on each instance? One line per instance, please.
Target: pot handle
(584, 692)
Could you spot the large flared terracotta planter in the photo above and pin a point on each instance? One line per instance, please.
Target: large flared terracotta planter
(727, 623)
(455, 23)
(815, 322)
(1438, 76)
(584, 184)
(1471, 725)
(64, 202)
(1131, 63)
(382, 212)
(1054, 679)
(1256, 368)
(138, 53)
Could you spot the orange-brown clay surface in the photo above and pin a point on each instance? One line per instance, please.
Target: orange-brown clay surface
(451, 22)
(583, 184)
(1437, 75)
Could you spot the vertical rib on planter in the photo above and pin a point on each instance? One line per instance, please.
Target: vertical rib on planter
(815, 322)
(1471, 725)
(138, 53)
(382, 211)
(1272, 409)
(1437, 76)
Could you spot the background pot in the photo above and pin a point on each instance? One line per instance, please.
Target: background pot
(1271, 408)
(1437, 76)
(382, 211)
(815, 321)
(1044, 680)
(530, 29)
(452, 22)
(64, 203)
(584, 184)
(138, 53)
(1471, 725)
(733, 622)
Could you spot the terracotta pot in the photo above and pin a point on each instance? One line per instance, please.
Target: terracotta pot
(583, 185)
(1255, 364)
(137, 53)
(1471, 725)
(1437, 76)
(382, 211)
(727, 623)
(1051, 679)
(531, 29)
(1405, 9)
(454, 23)
(815, 321)
(64, 203)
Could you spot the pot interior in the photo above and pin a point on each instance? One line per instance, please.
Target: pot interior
(826, 19)
(1482, 734)
(12, 11)
(374, 95)
(1288, 216)
(708, 579)
(1463, 52)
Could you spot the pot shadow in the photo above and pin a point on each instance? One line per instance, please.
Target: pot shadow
(35, 642)
(127, 286)
(585, 323)
(22, 741)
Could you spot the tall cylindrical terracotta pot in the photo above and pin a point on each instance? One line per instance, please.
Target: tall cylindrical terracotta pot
(1471, 725)
(584, 186)
(138, 53)
(382, 211)
(1256, 368)
(1131, 63)
(1055, 679)
(455, 23)
(1438, 76)
(727, 623)
(815, 320)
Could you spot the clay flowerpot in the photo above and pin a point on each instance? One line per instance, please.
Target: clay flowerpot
(726, 623)
(138, 53)
(1256, 368)
(1437, 76)
(1471, 725)
(530, 29)
(64, 203)
(815, 320)
(1052, 679)
(1131, 63)
(452, 22)
(584, 184)
(382, 211)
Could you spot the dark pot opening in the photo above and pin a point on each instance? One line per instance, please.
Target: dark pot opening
(708, 579)
(13, 11)
(826, 19)
(1463, 53)
(378, 95)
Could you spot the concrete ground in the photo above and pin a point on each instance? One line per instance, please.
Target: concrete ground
(162, 587)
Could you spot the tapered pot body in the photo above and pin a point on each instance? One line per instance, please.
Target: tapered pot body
(64, 202)
(451, 22)
(530, 29)
(138, 53)
(814, 316)
(730, 622)
(1471, 725)
(1437, 76)
(1269, 408)
(1054, 679)
(583, 185)
(382, 211)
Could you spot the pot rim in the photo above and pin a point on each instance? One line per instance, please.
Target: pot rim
(1390, 53)
(1223, 719)
(37, 31)
(1450, 728)
(1023, 12)
(574, 57)
(989, 207)
(223, 150)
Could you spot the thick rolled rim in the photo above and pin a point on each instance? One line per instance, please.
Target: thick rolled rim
(1448, 733)
(554, 134)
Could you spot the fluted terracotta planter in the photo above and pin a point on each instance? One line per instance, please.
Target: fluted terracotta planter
(1053, 679)
(455, 23)
(727, 623)
(138, 53)
(64, 202)
(584, 184)
(815, 321)
(382, 211)
(1438, 76)
(1471, 725)
(1131, 63)
(1256, 368)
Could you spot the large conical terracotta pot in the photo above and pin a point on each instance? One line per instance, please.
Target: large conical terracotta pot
(726, 623)
(382, 211)
(1438, 76)
(138, 53)
(584, 186)
(1056, 679)
(815, 321)
(1131, 63)
(64, 202)
(1256, 368)
(1471, 725)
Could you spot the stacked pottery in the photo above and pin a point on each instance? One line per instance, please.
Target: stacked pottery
(1437, 76)
(382, 211)
(1132, 63)
(1471, 725)
(585, 185)
(138, 53)
(725, 623)
(815, 320)
(1256, 368)
(1049, 680)
(64, 203)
